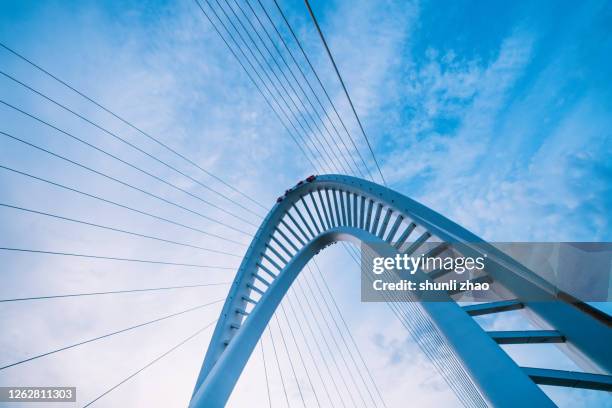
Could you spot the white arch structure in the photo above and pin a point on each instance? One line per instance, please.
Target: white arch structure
(325, 209)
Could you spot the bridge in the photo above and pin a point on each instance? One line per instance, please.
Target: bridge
(347, 202)
(326, 209)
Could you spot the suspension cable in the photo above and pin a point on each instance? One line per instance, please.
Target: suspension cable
(290, 84)
(257, 62)
(149, 364)
(112, 292)
(310, 352)
(346, 347)
(306, 80)
(280, 372)
(114, 203)
(139, 130)
(327, 346)
(298, 42)
(136, 234)
(420, 326)
(122, 140)
(404, 321)
(295, 377)
(334, 341)
(126, 184)
(414, 326)
(278, 67)
(159, 319)
(333, 163)
(90, 145)
(349, 333)
(111, 258)
(299, 353)
(313, 336)
(271, 70)
(251, 65)
(348, 97)
(263, 359)
(259, 89)
(461, 384)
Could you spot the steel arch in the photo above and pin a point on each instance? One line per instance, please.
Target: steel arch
(326, 209)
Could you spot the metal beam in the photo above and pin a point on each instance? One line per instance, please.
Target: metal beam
(404, 236)
(416, 244)
(574, 379)
(437, 250)
(493, 307)
(383, 227)
(394, 228)
(527, 336)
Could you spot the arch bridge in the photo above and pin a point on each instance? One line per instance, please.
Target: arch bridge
(326, 209)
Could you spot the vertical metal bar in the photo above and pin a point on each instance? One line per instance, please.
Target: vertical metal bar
(394, 228)
(275, 252)
(355, 211)
(281, 246)
(300, 240)
(337, 209)
(329, 223)
(266, 270)
(255, 289)
(369, 216)
(420, 241)
(376, 218)
(385, 222)
(299, 213)
(310, 215)
(437, 250)
(331, 209)
(272, 261)
(342, 207)
(348, 210)
(405, 235)
(260, 279)
(285, 237)
(316, 207)
(362, 212)
(294, 221)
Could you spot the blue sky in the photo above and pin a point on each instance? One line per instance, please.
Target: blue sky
(497, 115)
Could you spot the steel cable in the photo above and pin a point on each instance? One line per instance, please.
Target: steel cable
(80, 343)
(263, 94)
(91, 224)
(114, 203)
(125, 184)
(348, 97)
(139, 130)
(134, 374)
(111, 258)
(112, 292)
